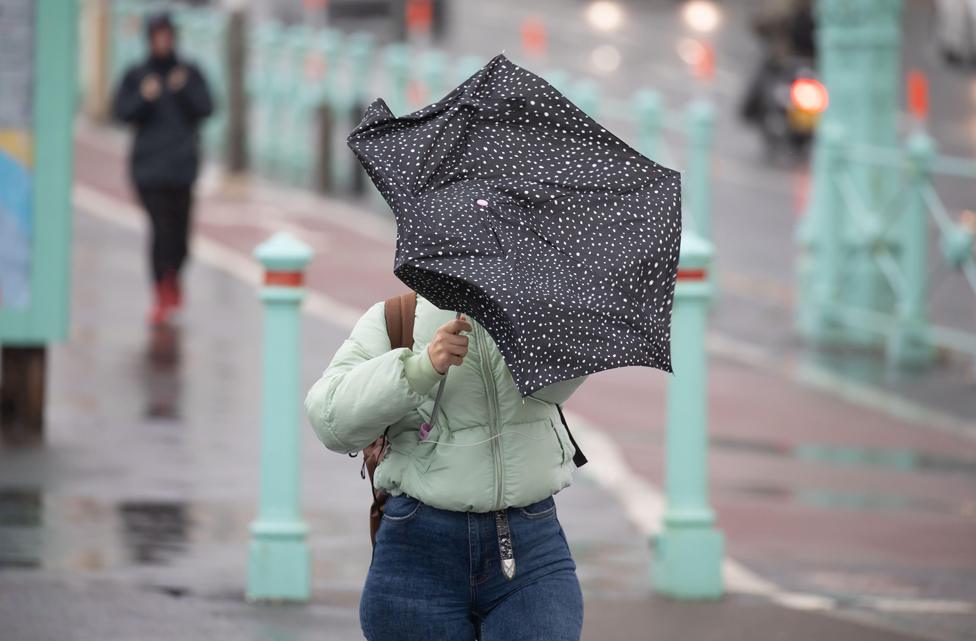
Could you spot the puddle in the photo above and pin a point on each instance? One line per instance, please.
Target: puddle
(154, 532)
(83, 533)
(161, 373)
(20, 528)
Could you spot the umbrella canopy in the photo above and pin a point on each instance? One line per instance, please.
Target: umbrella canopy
(516, 208)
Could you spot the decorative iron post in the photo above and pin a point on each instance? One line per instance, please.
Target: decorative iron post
(648, 114)
(859, 43)
(700, 123)
(824, 232)
(910, 345)
(279, 561)
(397, 60)
(689, 550)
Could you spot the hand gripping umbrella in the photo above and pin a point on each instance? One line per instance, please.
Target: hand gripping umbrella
(515, 207)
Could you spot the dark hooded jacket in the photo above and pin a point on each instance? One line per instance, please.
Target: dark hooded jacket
(165, 150)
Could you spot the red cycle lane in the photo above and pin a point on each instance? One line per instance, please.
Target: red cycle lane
(816, 493)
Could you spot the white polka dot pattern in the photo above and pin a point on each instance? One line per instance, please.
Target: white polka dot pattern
(516, 208)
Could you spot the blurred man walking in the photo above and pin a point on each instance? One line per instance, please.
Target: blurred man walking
(164, 98)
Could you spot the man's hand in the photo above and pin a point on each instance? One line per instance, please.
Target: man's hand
(176, 79)
(448, 347)
(150, 87)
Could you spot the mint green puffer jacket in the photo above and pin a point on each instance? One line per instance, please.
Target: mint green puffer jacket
(490, 449)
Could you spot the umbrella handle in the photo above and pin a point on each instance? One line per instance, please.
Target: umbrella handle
(425, 428)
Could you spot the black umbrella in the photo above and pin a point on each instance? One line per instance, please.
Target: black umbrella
(515, 207)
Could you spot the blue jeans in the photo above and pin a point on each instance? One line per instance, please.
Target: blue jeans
(436, 576)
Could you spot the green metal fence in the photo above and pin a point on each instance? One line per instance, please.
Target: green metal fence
(896, 230)
(300, 80)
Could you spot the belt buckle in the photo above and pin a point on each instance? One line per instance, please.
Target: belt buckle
(505, 544)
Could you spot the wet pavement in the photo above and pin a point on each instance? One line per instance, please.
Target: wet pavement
(131, 523)
(825, 488)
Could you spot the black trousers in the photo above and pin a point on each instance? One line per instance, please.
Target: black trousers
(169, 215)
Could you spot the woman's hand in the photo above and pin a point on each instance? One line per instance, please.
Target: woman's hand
(448, 347)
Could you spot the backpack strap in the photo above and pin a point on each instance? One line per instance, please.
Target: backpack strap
(400, 311)
(579, 458)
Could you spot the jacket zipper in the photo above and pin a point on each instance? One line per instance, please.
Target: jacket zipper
(492, 417)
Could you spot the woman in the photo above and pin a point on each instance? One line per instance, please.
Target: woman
(472, 504)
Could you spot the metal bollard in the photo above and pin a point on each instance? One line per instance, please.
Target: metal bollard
(647, 113)
(433, 68)
(397, 60)
(689, 550)
(359, 54)
(909, 344)
(700, 120)
(278, 567)
(586, 94)
(466, 67)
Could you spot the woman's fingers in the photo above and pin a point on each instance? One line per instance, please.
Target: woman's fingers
(456, 339)
(455, 326)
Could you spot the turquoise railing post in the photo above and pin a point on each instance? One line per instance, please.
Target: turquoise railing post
(397, 61)
(330, 105)
(689, 550)
(821, 239)
(586, 94)
(859, 58)
(279, 561)
(434, 67)
(264, 94)
(466, 67)
(359, 54)
(700, 123)
(293, 151)
(559, 79)
(910, 342)
(648, 113)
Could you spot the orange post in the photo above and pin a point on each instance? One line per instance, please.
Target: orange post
(918, 95)
(534, 36)
(419, 16)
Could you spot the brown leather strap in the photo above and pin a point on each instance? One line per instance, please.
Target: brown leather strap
(400, 311)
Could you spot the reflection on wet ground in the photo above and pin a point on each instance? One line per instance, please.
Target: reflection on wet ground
(161, 375)
(38, 530)
(852, 501)
(896, 460)
(154, 532)
(20, 528)
(903, 460)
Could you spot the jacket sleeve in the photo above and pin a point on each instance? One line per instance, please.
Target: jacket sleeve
(367, 386)
(128, 105)
(558, 393)
(194, 96)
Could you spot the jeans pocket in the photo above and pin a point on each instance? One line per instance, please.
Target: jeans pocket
(401, 508)
(544, 509)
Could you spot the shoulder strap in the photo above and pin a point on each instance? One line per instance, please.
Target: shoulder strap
(399, 311)
(579, 458)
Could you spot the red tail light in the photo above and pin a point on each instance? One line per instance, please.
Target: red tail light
(809, 95)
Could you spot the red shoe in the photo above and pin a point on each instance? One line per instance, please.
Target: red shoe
(159, 313)
(171, 290)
